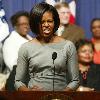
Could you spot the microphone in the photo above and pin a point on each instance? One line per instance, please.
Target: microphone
(54, 56)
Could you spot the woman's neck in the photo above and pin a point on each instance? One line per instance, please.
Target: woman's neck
(46, 39)
(97, 40)
(84, 67)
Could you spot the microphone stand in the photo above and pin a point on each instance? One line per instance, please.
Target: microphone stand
(54, 75)
(55, 96)
(54, 56)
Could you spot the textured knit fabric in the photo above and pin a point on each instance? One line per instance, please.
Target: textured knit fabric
(36, 60)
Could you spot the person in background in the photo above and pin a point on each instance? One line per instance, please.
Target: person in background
(3, 76)
(1, 59)
(89, 72)
(3, 73)
(67, 30)
(38, 57)
(95, 28)
(20, 23)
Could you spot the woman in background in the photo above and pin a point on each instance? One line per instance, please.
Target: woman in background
(95, 29)
(89, 72)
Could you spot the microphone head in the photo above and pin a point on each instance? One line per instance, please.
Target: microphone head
(54, 55)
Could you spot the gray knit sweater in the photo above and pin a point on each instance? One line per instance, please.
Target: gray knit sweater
(36, 60)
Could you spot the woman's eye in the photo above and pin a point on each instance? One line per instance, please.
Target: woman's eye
(50, 21)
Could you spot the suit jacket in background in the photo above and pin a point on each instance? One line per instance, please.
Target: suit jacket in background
(73, 33)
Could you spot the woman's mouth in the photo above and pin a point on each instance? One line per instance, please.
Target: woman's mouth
(46, 31)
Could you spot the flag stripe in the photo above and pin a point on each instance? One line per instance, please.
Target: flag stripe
(4, 28)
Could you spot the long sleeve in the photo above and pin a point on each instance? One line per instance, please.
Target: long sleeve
(72, 64)
(21, 70)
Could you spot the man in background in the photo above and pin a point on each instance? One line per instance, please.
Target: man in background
(67, 30)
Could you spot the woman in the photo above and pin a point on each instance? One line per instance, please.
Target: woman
(95, 29)
(36, 56)
(89, 73)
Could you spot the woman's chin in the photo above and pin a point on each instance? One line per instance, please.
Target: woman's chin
(46, 34)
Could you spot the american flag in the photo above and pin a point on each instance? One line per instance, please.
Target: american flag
(72, 6)
(4, 28)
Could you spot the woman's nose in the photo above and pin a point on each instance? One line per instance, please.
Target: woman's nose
(88, 53)
(46, 24)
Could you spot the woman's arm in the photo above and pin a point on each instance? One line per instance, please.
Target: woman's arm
(21, 70)
(72, 64)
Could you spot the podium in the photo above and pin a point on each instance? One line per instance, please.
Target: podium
(46, 95)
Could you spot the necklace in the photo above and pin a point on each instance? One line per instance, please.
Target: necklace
(84, 71)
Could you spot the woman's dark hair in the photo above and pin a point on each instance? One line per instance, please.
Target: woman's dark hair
(83, 42)
(14, 18)
(36, 14)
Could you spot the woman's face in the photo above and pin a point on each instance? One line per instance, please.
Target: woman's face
(22, 26)
(85, 54)
(96, 29)
(47, 24)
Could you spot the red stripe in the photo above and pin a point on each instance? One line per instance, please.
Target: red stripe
(72, 19)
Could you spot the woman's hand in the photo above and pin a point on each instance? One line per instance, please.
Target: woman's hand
(24, 88)
(36, 88)
(81, 88)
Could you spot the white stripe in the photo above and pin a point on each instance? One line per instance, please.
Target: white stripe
(51, 2)
(72, 6)
(4, 28)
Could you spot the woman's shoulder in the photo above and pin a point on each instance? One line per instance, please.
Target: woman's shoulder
(34, 41)
(66, 42)
(32, 44)
(95, 66)
(59, 39)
